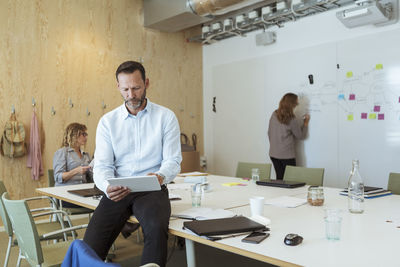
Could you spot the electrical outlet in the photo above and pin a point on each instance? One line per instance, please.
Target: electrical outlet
(203, 161)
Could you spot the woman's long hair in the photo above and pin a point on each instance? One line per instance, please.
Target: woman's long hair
(285, 111)
(72, 133)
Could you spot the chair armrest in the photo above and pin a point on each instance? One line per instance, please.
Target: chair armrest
(42, 197)
(57, 212)
(41, 209)
(69, 229)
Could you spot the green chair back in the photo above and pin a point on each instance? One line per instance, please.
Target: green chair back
(50, 177)
(310, 176)
(24, 229)
(3, 212)
(394, 183)
(243, 170)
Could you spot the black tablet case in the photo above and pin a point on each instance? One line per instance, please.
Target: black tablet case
(281, 183)
(238, 224)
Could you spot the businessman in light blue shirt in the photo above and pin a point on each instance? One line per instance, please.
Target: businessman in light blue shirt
(137, 138)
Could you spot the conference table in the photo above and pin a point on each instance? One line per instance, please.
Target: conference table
(367, 239)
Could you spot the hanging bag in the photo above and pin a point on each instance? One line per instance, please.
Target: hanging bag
(12, 142)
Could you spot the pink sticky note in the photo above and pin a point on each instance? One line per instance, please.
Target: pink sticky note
(381, 116)
(399, 99)
(364, 115)
(377, 108)
(352, 97)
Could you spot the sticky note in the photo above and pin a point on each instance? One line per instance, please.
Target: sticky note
(350, 117)
(231, 184)
(341, 97)
(349, 74)
(372, 116)
(377, 108)
(378, 66)
(399, 99)
(381, 116)
(364, 115)
(352, 97)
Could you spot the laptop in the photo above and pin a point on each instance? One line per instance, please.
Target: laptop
(281, 183)
(88, 192)
(238, 224)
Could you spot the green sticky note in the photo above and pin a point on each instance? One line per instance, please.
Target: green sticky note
(350, 117)
(349, 74)
(378, 66)
(372, 116)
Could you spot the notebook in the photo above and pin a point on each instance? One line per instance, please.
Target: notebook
(281, 183)
(88, 192)
(238, 224)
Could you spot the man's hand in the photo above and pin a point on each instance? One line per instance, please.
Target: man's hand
(117, 192)
(159, 177)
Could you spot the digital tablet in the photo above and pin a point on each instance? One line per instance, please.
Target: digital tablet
(137, 183)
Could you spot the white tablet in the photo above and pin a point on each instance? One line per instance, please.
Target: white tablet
(137, 183)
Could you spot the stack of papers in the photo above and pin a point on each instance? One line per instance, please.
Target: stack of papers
(192, 174)
(286, 201)
(370, 192)
(203, 214)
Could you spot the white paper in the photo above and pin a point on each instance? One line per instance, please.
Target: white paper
(286, 201)
(183, 186)
(204, 214)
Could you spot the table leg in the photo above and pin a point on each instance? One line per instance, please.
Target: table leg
(190, 253)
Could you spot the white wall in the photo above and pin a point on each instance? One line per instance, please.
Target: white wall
(302, 34)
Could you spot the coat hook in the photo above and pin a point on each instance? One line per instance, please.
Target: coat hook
(71, 105)
(87, 112)
(103, 106)
(33, 102)
(53, 112)
(12, 109)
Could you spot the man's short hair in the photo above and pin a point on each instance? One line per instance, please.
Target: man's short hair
(131, 67)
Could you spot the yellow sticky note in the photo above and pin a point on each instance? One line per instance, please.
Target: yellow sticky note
(350, 117)
(349, 74)
(372, 116)
(378, 66)
(230, 184)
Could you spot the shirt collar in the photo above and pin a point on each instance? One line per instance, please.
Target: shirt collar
(70, 149)
(125, 113)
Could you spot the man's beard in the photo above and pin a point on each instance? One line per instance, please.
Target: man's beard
(133, 103)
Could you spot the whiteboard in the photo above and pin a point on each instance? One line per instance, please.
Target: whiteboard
(354, 106)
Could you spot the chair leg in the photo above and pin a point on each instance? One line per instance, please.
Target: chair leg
(10, 239)
(19, 258)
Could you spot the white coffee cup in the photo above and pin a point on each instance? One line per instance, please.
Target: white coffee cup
(257, 206)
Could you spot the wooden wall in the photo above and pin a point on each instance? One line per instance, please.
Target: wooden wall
(56, 50)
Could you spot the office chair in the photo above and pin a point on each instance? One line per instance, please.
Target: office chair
(28, 237)
(394, 183)
(243, 169)
(310, 176)
(42, 228)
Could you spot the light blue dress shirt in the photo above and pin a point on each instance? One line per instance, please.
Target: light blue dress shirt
(128, 145)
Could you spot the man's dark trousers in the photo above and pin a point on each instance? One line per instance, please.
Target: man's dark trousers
(151, 209)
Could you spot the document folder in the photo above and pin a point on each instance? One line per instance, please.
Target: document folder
(238, 224)
(281, 183)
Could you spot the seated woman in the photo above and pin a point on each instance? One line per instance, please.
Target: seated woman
(70, 163)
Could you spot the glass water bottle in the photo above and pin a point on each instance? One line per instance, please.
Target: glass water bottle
(356, 190)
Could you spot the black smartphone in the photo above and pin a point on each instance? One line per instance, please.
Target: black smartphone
(255, 237)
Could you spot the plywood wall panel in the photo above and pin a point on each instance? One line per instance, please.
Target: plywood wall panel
(54, 51)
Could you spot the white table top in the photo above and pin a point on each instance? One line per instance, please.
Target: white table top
(366, 239)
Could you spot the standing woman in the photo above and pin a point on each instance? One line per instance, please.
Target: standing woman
(70, 163)
(282, 131)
